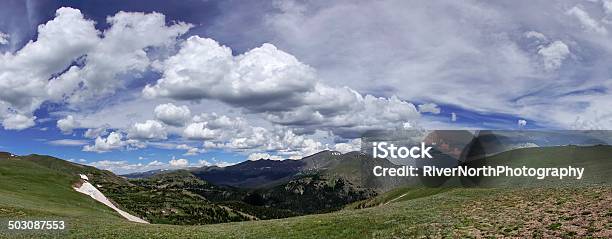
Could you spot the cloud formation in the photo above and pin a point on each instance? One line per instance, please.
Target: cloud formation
(173, 115)
(258, 156)
(522, 63)
(68, 142)
(114, 140)
(18, 121)
(71, 61)
(586, 20)
(554, 54)
(429, 108)
(66, 125)
(150, 129)
(329, 73)
(178, 163)
(258, 79)
(272, 82)
(3, 38)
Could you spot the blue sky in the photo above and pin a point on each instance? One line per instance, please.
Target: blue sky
(128, 86)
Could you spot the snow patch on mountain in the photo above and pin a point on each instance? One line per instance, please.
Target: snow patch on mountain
(88, 189)
(523, 145)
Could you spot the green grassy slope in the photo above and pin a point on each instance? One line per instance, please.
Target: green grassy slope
(456, 213)
(596, 161)
(30, 190)
(398, 195)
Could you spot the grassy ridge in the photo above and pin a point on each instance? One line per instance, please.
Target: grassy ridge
(31, 191)
(27, 186)
(596, 161)
(398, 195)
(456, 213)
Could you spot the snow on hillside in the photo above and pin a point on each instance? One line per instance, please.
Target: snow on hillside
(88, 189)
(523, 146)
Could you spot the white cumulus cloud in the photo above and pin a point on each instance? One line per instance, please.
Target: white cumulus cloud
(268, 80)
(198, 131)
(353, 145)
(94, 60)
(536, 35)
(173, 115)
(258, 156)
(113, 141)
(66, 125)
(18, 122)
(178, 163)
(26, 73)
(260, 78)
(554, 54)
(150, 129)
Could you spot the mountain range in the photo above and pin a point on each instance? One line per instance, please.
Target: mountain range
(251, 190)
(323, 182)
(329, 185)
